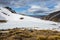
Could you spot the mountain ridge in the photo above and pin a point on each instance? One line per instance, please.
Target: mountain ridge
(55, 16)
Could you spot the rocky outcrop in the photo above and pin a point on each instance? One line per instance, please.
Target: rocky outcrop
(10, 9)
(3, 21)
(55, 16)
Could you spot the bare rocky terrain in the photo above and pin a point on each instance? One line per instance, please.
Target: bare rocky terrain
(55, 16)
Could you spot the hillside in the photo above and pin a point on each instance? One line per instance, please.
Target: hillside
(19, 21)
(55, 16)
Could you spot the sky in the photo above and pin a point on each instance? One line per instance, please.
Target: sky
(32, 7)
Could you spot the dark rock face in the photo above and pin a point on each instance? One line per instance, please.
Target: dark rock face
(3, 21)
(10, 9)
(55, 16)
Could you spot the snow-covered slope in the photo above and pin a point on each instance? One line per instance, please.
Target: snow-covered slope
(8, 15)
(19, 21)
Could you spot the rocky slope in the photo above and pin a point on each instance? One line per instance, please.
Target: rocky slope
(10, 9)
(55, 16)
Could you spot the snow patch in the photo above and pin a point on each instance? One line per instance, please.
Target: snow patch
(14, 21)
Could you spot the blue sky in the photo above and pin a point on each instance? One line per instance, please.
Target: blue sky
(21, 9)
(32, 7)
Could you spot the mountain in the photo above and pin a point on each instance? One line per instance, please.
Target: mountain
(8, 14)
(15, 20)
(55, 16)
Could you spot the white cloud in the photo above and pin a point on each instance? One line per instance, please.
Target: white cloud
(34, 8)
(37, 9)
(20, 3)
(57, 7)
(36, 5)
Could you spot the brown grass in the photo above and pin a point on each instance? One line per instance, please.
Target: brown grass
(18, 34)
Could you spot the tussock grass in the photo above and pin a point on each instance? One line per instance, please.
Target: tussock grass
(19, 34)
